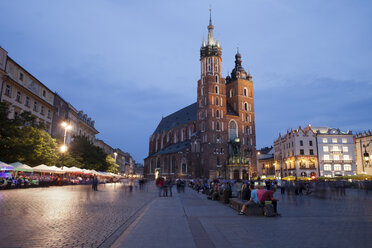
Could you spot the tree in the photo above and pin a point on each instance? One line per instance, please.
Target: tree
(112, 166)
(23, 139)
(89, 155)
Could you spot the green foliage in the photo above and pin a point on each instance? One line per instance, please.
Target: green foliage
(87, 154)
(24, 140)
(112, 166)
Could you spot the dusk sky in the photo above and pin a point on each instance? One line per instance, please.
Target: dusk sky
(128, 63)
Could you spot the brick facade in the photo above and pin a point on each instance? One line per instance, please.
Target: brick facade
(214, 137)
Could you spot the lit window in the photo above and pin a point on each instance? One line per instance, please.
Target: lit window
(347, 167)
(337, 167)
(335, 148)
(325, 140)
(326, 157)
(344, 141)
(327, 167)
(345, 149)
(325, 148)
(334, 140)
(346, 157)
(336, 157)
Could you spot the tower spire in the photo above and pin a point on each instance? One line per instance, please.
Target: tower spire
(210, 40)
(210, 16)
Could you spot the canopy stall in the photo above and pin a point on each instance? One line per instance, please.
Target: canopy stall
(57, 170)
(44, 168)
(18, 166)
(289, 178)
(5, 167)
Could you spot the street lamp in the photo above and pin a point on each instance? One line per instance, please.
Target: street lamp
(63, 150)
(115, 154)
(366, 157)
(66, 126)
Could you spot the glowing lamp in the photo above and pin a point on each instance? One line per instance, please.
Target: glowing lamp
(63, 148)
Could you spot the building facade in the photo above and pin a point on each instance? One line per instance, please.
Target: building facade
(295, 153)
(23, 92)
(80, 123)
(266, 162)
(335, 152)
(363, 152)
(214, 137)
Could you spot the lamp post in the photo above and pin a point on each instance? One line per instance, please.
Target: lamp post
(67, 127)
(366, 157)
(115, 154)
(63, 150)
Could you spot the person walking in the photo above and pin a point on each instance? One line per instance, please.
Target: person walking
(95, 183)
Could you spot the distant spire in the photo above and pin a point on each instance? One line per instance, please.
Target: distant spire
(210, 16)
(210, 40)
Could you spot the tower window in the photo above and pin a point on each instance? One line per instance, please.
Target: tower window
(217, 102)
(209, 64)
(246, 106)
(218, 126)
(216, 89)
(215, 65)
(245, 92)
(231, 93)
(217, 113)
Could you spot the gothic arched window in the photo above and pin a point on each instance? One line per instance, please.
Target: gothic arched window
(216, 89)
(233, 130)
(245, 92)
(217, 101)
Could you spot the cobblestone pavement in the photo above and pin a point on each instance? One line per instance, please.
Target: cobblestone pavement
(190, 220)
(69, 216)
(306, 221)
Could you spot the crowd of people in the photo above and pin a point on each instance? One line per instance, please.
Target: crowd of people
(165, 186)
(27, 180)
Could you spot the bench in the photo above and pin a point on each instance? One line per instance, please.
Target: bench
(252, 210)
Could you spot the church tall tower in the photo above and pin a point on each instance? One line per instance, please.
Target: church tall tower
(211, 105)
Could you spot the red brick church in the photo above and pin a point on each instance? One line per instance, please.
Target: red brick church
(215, 136)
